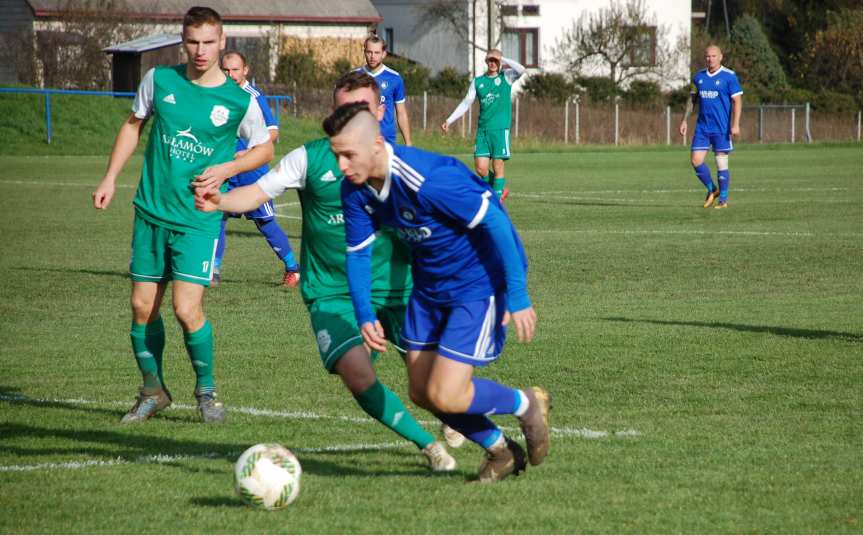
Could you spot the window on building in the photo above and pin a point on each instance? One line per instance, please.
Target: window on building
(643, 54)
(531, 10)
(390, 39)
(508, 10)
(522, 45)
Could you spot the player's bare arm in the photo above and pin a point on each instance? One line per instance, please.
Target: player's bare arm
(690, 106)
(736, 112)
(124, 146)
(213, 177)
(238, 200)
(404, 122)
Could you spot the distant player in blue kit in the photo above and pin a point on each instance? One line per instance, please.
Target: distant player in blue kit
(235, 66)
(470, 282)
(392, 90)
(720, 104)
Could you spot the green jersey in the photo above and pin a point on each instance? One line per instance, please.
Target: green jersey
(313, 171)
(495, 98)
(194, 127)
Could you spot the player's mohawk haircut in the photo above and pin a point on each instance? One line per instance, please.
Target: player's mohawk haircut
(198, 16)
(353, 80)
(335, 123)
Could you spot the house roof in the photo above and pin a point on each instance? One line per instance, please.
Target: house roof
(310, 11)
(145, 44)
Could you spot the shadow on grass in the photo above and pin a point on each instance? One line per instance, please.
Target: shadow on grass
(218, 501)
(9, 395)
(811, 334)
(101, 273)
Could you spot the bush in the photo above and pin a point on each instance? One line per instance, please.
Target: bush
(415, 76)
(298, 67)
(550, 87)
(450, 83)
(834, 102)
(598, 88)
(756, 64)
(676, 98)
(643, 92)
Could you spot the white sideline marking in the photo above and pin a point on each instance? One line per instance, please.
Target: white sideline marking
(289, 216)
(697, 232)
(660, 191)
(280, 205)
(69, 184)
(305, 415)
(164, 459)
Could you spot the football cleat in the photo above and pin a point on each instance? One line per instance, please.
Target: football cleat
(439, 459)
(291, 279)
(534, 424)
(712, 196)
(502, 460)
(453, 438)
(149, 402)
(211, 411)
(721, 205)
(504, 194)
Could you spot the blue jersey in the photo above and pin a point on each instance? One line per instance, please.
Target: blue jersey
(464, 247)
(714, 99)
(250, 177)
(392, 92)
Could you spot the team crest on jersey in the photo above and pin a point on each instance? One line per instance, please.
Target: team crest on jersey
(408, 214)
(369, 209)
(324, 340)
(481, 85)
(384, 84)
(219, 115)
(497, 81)
(717, 82)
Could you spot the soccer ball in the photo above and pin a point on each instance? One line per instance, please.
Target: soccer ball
(268, 476)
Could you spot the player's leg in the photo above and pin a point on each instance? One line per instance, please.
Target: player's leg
(499, 142)
(342, 352)
(192, 269)
(499, 184)
(482, 155)
(700, 146)
(265, 220)
(147, 333)
(722, 147)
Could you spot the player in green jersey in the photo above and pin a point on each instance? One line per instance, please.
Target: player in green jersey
(198, 114)
(494, 89)
(313, 171)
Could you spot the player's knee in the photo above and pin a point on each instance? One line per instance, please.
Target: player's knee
(142, 307)
(189, 314)
(722, 162)
(419, 398)
(445, 400)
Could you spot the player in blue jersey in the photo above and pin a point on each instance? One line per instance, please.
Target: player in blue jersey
(392, 90)
(470, 282)
(234, 64)
(720, 103)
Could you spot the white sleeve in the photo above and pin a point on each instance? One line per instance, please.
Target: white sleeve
(253, 128)
(290, 173)
(514, 71)
(464, 105)
(142, 107)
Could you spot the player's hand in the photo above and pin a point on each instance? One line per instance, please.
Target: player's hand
(683, 128)
(373, 336)
(213, 177)
(735, 132)
(207, 200)
(103, 194)
(525, 323)
(445, 128)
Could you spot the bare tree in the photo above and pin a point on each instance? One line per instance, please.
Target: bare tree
(461, 18)
(624, 39)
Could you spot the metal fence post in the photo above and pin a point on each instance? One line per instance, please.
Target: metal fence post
(859, 116)
(793, 125)
(296, 109)
(616, 123)
(761, 124)
(668, 125)
(808, 133)
(577, 122)
(48, 116)
(425, 109)
(470, 119)
(566, 122)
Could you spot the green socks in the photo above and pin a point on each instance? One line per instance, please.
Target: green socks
(383, 405)
(148, 343)
(499, 184)
(199, 344)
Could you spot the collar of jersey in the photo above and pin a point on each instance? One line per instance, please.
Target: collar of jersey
(708, 73)
(375, 74)
(388, 180)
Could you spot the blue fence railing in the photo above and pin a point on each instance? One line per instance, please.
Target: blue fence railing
(271, 99)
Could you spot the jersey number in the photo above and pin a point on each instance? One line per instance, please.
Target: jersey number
(204, 265)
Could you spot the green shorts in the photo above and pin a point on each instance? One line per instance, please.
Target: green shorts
(492, 144)
(160, 254)
(335, 325)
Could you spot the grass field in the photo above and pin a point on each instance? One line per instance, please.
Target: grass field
(706, 365)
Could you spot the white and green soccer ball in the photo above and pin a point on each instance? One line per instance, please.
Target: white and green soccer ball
(268, 476)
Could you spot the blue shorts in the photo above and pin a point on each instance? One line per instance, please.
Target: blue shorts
(719, 142)
(265, 211)
(467, 332)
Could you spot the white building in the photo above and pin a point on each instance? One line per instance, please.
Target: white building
(526, 30)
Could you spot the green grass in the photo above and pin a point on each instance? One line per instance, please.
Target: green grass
(729, 343)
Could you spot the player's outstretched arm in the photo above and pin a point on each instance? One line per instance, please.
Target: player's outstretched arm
(239, 200)
(214, 176)
(125, 144)
(462, 107)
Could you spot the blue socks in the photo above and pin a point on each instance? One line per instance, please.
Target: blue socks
(278, 241)
(724, 180)
(703, 174)
(489, 398)
(476, 428)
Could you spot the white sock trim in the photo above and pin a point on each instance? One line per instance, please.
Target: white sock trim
(523, 403)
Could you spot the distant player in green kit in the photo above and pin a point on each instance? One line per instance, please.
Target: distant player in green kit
(494, 89)
(198, 114)
(313, 171)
